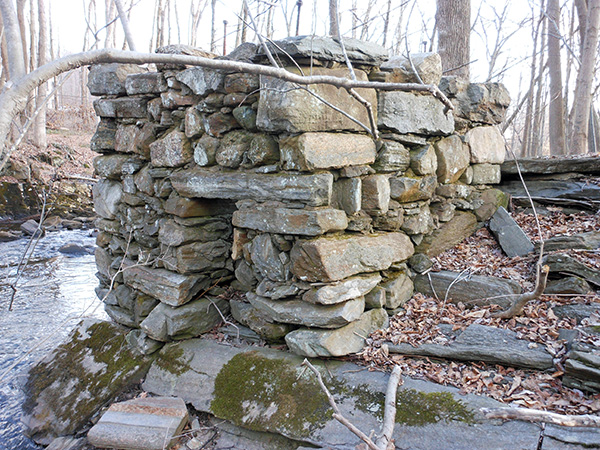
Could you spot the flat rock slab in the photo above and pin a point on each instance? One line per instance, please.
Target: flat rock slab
(460, 227)
(473, 290)
(150, 423)
(332, 259)
(562, 263)
(581, 241)
(539, 166)
(511, 238)
(342, 290)
(483, 343)
(267, 390)
(314, 190)
(76, 379)
(553, 189)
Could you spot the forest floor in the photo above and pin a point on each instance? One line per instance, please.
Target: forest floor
(480, 254)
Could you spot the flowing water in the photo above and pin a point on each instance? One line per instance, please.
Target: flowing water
(52, 295)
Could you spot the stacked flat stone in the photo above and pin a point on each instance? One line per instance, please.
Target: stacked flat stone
(212, 180)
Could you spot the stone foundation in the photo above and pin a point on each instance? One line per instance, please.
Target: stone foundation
(214, 180)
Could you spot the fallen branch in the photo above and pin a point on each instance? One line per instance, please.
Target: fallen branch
(520, 302)
(385, 442)
(533, 415)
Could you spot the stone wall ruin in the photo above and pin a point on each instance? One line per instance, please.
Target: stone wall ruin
(212, 180)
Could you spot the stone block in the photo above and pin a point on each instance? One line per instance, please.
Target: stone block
(193, 319)
(150, 423)
(195, 207)
(453, 159)
(267, 259)
(145, 83)
(375, 197)
(398, 290)
(193, 124)
(299, 312)
(245, 83)
(233, 148)
(315, 151)
(219, 123)
(375, 299)
(116, 166)
(462, 225)
(122, 108)
(104, 139)
(510, 236)
(107, 197)
(173, 234)
(342, 290)
(283, 108)
(486, 174)
(486, 144)
(202, 256)
(263, 150)
(335, 258)
(392, 157)
(314, 190)
(200, 80)
(484, 103)
(347, 195)
(405, 112)
(110, 79)
(125, 138)
(313, 342)
(205, 150)
(248, 315)
(168, 287)
(291, 221)
(173, 150)
(400, 69)
(419, 223)
(423, 160)
(406, 190)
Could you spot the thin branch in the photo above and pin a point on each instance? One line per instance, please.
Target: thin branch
(389, 415)
(533, 415)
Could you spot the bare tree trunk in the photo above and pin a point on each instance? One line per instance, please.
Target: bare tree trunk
(177, 22)
(14, 47)
(299, 7)
(160, 25)
(386, 22)
(453, 18)
(334, 21)
(39, 126)
(125, 24)
(558, 144)
(23, 29)
(109, 17)
(32, 37)
(213, 29)
(224, 37)
(582, 98)
(354, 19)
(3, 56)
(582, 12)
(364, 32)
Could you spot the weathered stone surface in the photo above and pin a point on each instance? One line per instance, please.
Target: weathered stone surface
(145, 83)
(588, 241)
(166, 323)
(477, 102)
(299, 312)
(263, 150)
(577, 164)
(104, 138)
(205, 150)
(398, 290)
(173, 234)
(140, 343)
(202, 256)
(453, 158)
(510, 236)
(115, 166)
(193, 124)
(200, 80)
(375, 299)
(315, 151)
(406, 189)
(343, 341)
(173, 150)
(327, 49)
(423, 160)
(485, 174)
(375, 194)
(488, 344)
(576, 311)
(431, 417)
(110, 79)
(122, 108)
(563, 263)
(390, 221)
(486, 144)
(291, 221)
(283, 108)
(194, 207)
(392, 157)
(418, 223)
(219, 123)
(67, 443)
(241, 82)
(314, 190)
(582, 368)
(151, 423)
(400, 69)
(405, 112)
(258, 322)
(462, 225)
(267, 259)
(420, 263)
(554, 189)
(277, 290)
(76, 379)
(476, 290)
(347, 195)
(168, 287)
(107, 197)
(342, 290)
(588, 437)
(246, 117)
(331, 259)
(232, 149)
(568, 285)
(489, 202)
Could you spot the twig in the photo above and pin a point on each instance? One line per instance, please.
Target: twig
(533, 415)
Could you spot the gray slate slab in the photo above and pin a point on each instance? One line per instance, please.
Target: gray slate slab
(483, 343)
(508, 233)
(266, 390)
(563, 263)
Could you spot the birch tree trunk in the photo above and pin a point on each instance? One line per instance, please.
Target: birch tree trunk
(558, 145)
(14, 47)
(334, 23)
(213, 29)
(39, 126)
(582, 99)
(125, 23)
(453, 19)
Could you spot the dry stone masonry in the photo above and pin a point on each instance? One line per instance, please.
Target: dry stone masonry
(213, 180)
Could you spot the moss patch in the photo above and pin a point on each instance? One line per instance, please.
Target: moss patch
(416, 408)
(171, 360)
(266, 394)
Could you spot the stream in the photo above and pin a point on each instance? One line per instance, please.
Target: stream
(55, 290)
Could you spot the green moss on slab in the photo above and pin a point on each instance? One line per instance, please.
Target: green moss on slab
(266, 394)
(171, 360)
(417, 408)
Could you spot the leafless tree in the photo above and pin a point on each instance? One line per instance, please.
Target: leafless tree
(334, 20)
(556, 115)
(453, 22)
